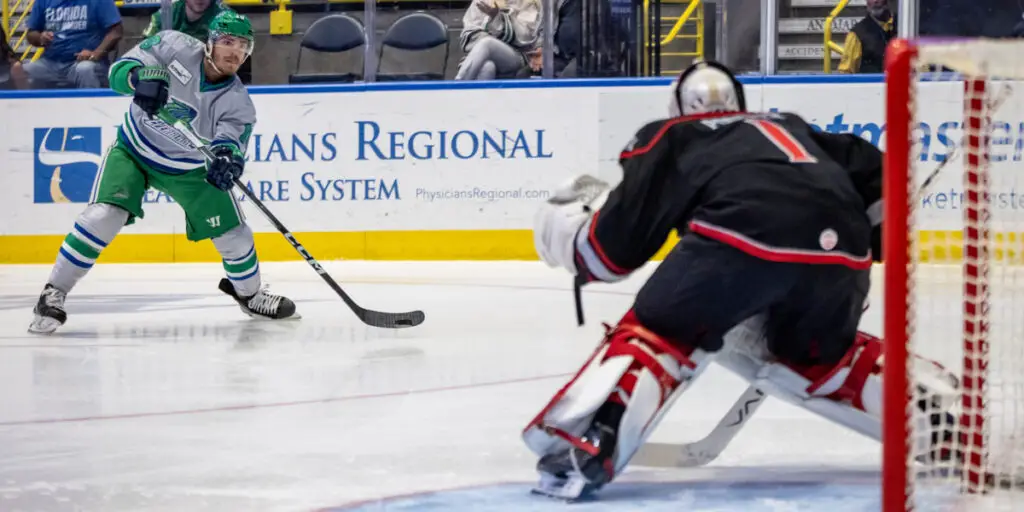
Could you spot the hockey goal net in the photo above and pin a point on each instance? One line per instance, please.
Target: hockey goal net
(954, 274)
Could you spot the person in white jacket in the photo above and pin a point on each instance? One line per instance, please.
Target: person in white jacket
(499, 37)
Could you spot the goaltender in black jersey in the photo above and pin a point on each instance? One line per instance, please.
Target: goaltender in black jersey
(731, 177)
(779, 226)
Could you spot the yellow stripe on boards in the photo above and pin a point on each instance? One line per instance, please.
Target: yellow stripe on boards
(933, 247)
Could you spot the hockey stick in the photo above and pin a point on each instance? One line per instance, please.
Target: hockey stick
(577, 295)
(367, 316)
(707, 449)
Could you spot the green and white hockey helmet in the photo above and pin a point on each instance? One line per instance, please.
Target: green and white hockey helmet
(230, 28)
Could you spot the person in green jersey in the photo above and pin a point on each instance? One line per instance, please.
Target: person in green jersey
(192, 17)
(172, 75)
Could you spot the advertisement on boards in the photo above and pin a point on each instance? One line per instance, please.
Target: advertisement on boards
(471, 159)
(422, 160)
(859, 109)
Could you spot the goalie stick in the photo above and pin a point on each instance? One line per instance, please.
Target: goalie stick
(367, 316)
(703, 451)
(707, 449)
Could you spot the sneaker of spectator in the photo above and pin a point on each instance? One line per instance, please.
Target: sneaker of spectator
(497, 37)
(77, 36)
(12, 76)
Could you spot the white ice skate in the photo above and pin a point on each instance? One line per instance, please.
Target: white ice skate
(263, 304)
(49, 311)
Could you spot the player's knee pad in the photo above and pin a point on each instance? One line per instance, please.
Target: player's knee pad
(850, 392)
(633, 367)
(102, 221)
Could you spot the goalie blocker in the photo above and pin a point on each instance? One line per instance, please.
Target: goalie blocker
(769, 279)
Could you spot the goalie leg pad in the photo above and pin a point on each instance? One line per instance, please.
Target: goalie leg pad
(603, 415)
(850, 392)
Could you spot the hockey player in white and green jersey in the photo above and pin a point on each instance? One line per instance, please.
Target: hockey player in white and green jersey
(172, 74)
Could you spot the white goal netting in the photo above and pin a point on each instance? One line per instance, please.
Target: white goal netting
(957, 294)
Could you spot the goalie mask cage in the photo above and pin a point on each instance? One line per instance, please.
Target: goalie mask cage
(954, 274)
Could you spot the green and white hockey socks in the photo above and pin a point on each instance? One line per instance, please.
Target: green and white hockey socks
(238, 251)
(94, 229)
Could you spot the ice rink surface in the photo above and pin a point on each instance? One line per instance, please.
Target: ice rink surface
(160, 395)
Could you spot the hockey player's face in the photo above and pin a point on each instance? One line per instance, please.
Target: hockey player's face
(229, 53)
(197, 6)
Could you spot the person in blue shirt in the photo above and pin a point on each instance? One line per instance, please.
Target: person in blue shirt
(77, 36)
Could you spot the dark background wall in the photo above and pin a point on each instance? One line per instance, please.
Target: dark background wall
(275, 56)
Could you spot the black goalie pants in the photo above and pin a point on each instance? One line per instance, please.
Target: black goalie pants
(704, 288)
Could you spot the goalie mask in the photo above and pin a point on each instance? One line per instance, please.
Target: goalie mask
(706, 86)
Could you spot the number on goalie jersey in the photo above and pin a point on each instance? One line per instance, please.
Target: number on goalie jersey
(777, 224)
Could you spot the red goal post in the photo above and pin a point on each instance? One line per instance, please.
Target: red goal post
(967, 311)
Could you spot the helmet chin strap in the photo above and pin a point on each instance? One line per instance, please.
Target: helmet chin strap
(209, 58)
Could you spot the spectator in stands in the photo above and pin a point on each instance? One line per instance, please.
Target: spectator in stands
(11, 73)
(77, 36)
(497, 38)
(866, 42)
(189, 16)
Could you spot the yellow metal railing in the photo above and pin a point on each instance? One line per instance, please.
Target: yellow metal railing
(5, 16)
(19, 21)
(693, 12)
(830, 45)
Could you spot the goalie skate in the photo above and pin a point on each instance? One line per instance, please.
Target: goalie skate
(569, 487)
(49, 311)
(263, 304)
(592, 427)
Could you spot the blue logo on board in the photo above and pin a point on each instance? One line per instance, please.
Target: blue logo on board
(66, 162)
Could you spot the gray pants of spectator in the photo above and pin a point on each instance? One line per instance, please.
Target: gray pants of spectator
(489, 59)
(82, 74)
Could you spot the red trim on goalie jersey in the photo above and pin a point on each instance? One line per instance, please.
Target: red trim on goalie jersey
(667, 125)
(779, 254)
(595, 245)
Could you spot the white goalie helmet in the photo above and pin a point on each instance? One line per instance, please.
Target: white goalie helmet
(706, 86)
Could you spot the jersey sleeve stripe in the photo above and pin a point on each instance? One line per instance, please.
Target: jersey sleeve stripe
(596, 261)
(779, 254)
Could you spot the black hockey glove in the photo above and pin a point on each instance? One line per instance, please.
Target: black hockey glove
(227, 166)
(151, 85)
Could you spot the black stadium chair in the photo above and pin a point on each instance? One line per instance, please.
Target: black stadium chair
(336, 33)
(415, 32)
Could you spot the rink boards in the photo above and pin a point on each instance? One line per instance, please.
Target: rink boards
(441, 171)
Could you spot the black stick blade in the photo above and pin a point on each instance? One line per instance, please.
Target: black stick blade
(392, 320)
